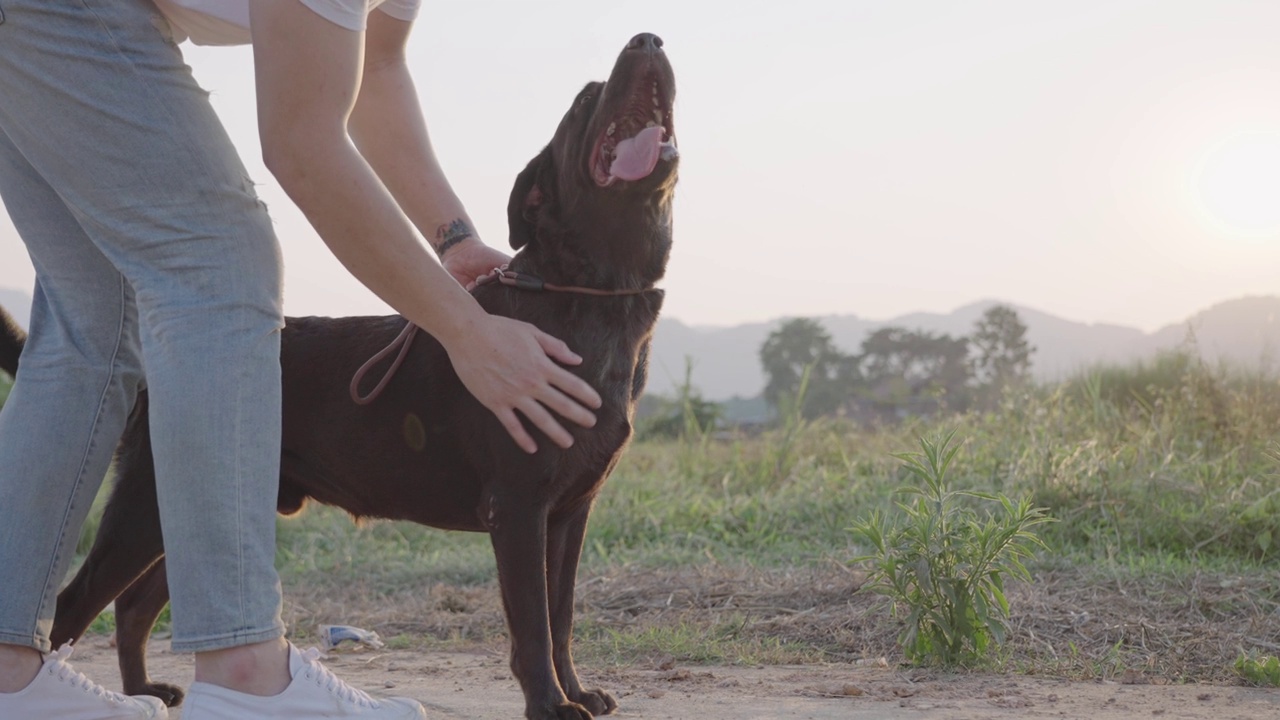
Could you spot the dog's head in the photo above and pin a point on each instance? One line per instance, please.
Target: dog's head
(602, 190)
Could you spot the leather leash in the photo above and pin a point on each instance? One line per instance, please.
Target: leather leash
(500, 275)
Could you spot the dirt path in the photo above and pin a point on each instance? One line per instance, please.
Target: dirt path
(478, 686)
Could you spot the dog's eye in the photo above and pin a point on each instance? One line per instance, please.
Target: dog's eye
(586, 100)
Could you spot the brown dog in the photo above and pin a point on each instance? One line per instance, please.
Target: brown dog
(592, 210)
(12, 338)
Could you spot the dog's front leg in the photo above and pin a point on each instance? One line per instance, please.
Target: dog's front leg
(564, 548)
(519, 535)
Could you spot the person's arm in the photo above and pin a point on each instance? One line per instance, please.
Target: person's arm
(390, 132)
(308, 72)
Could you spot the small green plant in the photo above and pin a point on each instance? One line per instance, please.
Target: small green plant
(400, 642)
(1259, 669)
(946, 564)
(686, 416)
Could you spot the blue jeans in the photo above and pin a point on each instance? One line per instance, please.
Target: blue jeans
(155, 263)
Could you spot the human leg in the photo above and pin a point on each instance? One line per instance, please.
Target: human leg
(142, 164)
(80, 374)
(100, 103)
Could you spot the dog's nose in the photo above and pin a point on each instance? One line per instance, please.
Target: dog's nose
(648, 42)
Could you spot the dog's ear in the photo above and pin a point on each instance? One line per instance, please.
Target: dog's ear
(530, 193)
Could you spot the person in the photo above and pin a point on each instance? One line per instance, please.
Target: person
(156, 266)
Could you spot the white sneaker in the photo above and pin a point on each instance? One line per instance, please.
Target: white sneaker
(60, 691)
(314, 693)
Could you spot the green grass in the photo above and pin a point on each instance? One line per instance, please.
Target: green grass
(323, 545)
(1261, 670)
(1186, 467)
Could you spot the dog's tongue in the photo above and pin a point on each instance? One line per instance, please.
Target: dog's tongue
(636, 157)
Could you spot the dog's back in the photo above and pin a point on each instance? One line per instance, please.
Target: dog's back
(12, 340)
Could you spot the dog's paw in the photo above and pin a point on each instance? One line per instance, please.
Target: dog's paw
(564, 711)
(172, 695)
(597, 702)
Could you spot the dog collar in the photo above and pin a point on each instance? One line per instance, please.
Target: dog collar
(524, 281)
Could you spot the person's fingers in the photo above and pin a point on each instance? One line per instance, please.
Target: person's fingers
(556, 349)
(516, 430)
(544, 421)
(576, 388)
(566, 407)
(566, 381)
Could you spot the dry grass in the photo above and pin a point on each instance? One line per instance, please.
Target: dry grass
(1188, 627)
(1070, 622)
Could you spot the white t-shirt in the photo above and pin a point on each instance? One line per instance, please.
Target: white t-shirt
(226, 22)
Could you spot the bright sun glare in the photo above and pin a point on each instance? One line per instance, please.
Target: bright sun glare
(1239, 185)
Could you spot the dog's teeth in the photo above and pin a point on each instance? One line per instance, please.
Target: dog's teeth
(657, 116)
(612, 126)
(651, 124)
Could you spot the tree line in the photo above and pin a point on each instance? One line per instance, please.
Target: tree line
(898, 372)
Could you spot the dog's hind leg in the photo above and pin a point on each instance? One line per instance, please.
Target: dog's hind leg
(127, 545)
(518, 530)
(564, 547)
(136, 611)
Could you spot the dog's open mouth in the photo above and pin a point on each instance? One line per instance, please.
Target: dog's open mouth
(635, 140)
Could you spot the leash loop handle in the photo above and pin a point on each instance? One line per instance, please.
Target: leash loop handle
(402, 341)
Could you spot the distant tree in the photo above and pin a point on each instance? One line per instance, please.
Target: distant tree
(907, 372)
(1001, 354)
(798, 347)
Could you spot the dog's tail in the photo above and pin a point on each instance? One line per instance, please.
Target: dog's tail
(12, 339)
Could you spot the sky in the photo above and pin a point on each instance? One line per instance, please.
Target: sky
(1102, 160)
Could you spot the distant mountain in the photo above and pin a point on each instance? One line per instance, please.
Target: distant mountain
(18, 304)
(1245, 330)
(727, 359)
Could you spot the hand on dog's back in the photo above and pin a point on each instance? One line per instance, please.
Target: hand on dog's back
(495, 374)
(509, 365)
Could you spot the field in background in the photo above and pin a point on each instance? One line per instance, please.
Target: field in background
(1164, 480)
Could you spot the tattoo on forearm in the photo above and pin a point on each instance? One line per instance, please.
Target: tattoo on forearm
(451, 234)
